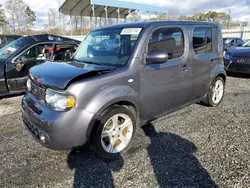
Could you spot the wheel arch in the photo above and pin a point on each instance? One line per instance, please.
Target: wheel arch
(130, 105)
(218, 70)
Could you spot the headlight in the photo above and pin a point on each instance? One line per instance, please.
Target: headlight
(59, 101)
(227, 56)
(28, 84)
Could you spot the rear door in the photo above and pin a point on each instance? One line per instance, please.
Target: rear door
(205, 56)
(17, 70)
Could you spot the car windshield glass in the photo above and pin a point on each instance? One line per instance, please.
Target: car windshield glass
(227, 41)
(108, 46)
(10, 49)
(247, 44)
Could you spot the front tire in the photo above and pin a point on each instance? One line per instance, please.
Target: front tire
(114, 133)
(215, 93)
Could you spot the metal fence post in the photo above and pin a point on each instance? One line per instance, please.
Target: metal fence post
(242, 32)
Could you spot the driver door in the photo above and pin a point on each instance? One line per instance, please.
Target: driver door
(166, 86)
(17, 70)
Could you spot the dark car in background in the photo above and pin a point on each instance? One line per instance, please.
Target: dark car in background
(19, 56)
(231, 43)
(238, 60)
(6, 39)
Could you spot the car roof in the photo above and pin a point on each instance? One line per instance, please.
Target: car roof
(156, 23)
(50, 38)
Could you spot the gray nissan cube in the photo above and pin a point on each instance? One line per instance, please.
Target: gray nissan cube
(122, 77)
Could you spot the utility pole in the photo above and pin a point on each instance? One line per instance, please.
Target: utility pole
(229, 18)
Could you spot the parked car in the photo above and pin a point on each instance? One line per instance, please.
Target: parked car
(6, 39)
(238, 60)
(19, 56)
(231, 43)
(103, 95)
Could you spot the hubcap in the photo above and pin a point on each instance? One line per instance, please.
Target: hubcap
(217, 91)
(117, 133)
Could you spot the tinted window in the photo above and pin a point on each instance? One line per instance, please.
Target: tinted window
(64, 52)
(202, 40)
(171, 40)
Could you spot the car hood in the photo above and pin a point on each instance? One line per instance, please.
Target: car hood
(60, 74)
(243, 52)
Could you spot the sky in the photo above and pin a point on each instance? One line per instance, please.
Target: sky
(240, 9)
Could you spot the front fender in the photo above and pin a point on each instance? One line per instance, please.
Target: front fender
(112, 95)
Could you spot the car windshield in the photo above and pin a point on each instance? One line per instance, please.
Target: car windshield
(10, 49)
(108, 46)
(247, 44)
(227, 41)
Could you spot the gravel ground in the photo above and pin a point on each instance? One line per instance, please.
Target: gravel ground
(194, 147)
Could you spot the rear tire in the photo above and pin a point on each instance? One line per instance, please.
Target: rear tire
(215, 93)
(113, 134)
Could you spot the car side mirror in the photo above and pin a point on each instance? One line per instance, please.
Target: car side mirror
(157, 57)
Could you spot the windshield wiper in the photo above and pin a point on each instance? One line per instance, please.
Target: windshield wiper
(88, 62)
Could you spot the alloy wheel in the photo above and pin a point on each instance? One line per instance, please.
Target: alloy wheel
(117, 133)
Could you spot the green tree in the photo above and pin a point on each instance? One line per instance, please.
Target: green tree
(30, 17)
(3, 20)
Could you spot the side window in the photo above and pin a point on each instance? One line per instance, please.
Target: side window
(202, 40)
(64, 52)
(39, 52)
(171, 40)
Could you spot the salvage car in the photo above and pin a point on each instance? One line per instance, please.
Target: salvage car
(6, 39)
(104, 94)
(238, 60)
(19, 56)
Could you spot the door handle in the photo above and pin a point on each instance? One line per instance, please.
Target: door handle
(185, 67)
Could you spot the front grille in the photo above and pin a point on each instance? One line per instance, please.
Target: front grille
(241, 60)
(38, 91)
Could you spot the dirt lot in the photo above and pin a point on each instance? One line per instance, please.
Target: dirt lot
(194, 147)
